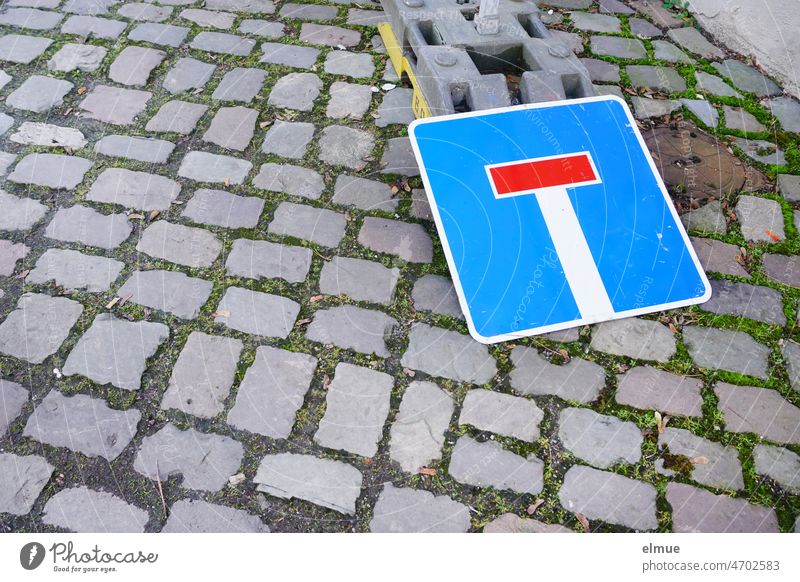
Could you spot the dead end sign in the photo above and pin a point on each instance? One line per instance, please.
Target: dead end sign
(553, 215)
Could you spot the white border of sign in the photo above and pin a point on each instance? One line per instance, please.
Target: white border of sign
(578, 322)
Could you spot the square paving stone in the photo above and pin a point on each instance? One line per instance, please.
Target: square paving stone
(13, 397)
(708, 218)
(323, 34)
(643, 29)
(666, 51)
(308, 11)
(761, 219)
(206, 167)
(417, 435)
(19, 213)
(396, 108)
(615, 46)
(317, 225)
(601, 71)
(288, 139)
(645, 107)
(159, 34)
(656, 78)
(359, 279)
(48, 135)
(353, 328)
(720, 349)
(361, 17)
(142, 149)
(721, 468)
(19, 48)
(185, 245)
(652, 389)
(590, 22)
(600, 440)
(83, 424)
(787, 111)
(257, 313)
(81, 224)
(257, 259)
(288, 55)
(398, 158)
(203, 375)
(791, 353)
(75, 271)
(264, 28)
(511, 523)
(83, 510)
(488, 464)
(39, 93)
(188, 74)
(657, 13)
(115, 351)
(22, 479)
(357, 404)
(348, 101)
(88, 6)
(742, 120)
(747, 78)
(10, 253)
(357, 65)
(272, 392)
(205, 461)
(332, 484)
(578, 380)
(209, 19)
(743, 300)
(789, 187)
(762, 411)
(440, 352)
(719, 257)
(249, 6)
(698, 511)
(296, 91)
(138, 190)
(714, 85)
(345, 146)
(142, 11)
(502, 414)
(436, 294)
(168, 291)
(82, 57)
(408, 241)
(288, 179)
(88, 26)
(220, 208)
(240, 84)
(177, 117)
(38, 326)
(198, 516)
(232, 128)
(363, 193)
(693, 41)
(114, 105)
(223, 43)
(779, 464)
(410, 511)
(636, 338)
(134, 65)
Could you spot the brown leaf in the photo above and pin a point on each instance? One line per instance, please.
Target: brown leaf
(663, 426)
(699, 460)
(82, 90)
(316, 298)
(564, 354)
(305, 321)
(347, 216)
(22, 274)
(395, 190)
(773, 236)
(264, 124)
(584, 521)
(367, 461)
(326, 381)
(153, 215)
(124, 299)
(221, 313)
(534, 506)
(672, 328)
(427, 471)
(657, 416)
(409, 372)
(226, 182)
(135, 216)
(112, 303)
(404, 185)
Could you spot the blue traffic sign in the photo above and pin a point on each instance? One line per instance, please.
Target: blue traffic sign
(553, 215)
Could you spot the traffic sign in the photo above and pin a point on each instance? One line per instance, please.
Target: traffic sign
(553, 215)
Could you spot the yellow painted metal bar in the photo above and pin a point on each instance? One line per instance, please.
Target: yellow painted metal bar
(402, 66)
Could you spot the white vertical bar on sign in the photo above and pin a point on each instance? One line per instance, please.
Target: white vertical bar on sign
(573, 251)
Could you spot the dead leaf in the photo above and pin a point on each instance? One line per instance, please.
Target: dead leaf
(584, 521)
(67, 112)
(534, 506)
(82, 90)
(135, 216)
(226, 182)
(112, 303)
(264, 124)
(326, 381)
(427, 471)
(404, 185)
(347, 216)
(663, 426)
(153, 215)
(22, 274)
(672, 328)
(395, 190)
(409, 372)
(221, 313)
(124, 299)
(773, 236)
(564, 354)
(305, 321)
(657, 416)
(316, 298)
(699, 460)
(367, 461)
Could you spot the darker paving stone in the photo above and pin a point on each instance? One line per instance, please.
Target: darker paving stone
(656, 78)
(92, 26)
(747, 78)
(648, 388)
(257, 313)
(130, 189)
(308, 11)
(322, 34)
(357, 65)
(345, 146)
(666, 51)
(440, 352)
(363, 193)
(51, 171)
(263, 28)
(396, 108)
(134, 65)
(249, 6)
(19, 213)
(657, 13)
(359, 279)
(38, 326)
(92, 7)
(348, 100)
(502, 414)
(720, 349)
(570, 4)
(159, 34)
(410, 511)
(510, 523)
(176, 117)
(359, 17)
(220, 208)
(209, 19)
(577, 380)
(332, 484)
(288, 139)
(601, 71)
(232, 128)
(721, 468)
(115, 351)
(141, 11)
(743, 300)
(292, 180)
(437, 294)
(357, 404)
(84, 510)
(417, 435)
(203, 375)
(296, 91)
(168, 291)
(142, 149)
(719, 257)
(703, 110)
(185, 245)
(22, 49)
(257, 259)
(317, 225)
(188, 74)
(591, 22)
(791, 353)
(714, 85)
(114, 105)
(198, 516)
(787, 111)
(742, 120)
(693, 41)
(206, 167)
(789, 187)
(408, 241)
(487, 464)
(205, 461)
(613, 7)
(779, 464)
(298, 57)
(272, 392)
(759, 410)
(708, 218)
(22, 479)
(10, 253)
(761, 151)
(398, 158)
(39, 94)
(761, 219)
(13, 397)
(82, 424)
(636, 338)
(698, 511)
(75, 271)
(609, 497)
(643, 29)
(600, 440)
(615, 46)
(223, 43)
(240, 84)
(353, 328)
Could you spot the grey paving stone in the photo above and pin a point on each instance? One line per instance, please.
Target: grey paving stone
(720, 349)
(92, 26)
(693, 41)
(782, 268)
(75, 271)
(643, 29)
(185, 245)
(142, 149)
(759, 217)
(591, 22)
(502, 414)
(354, 328)
(721, 467)
(564, 335)
(656, 78)
(357, 65)
(257, 313)
(703, 110)
(360, 17)
(168, 291)
(743, 300)
(779, 464)
(264, 28)
(789, 187)
(714, 85)
(223, 43)
(198, 516)
(699, 511)
(666, 51)
(440, 352)
(13, 397)
(288, 179)
(747, 78)
(5, 78)
(39, 93)
(791, 353)
(114, 105)
(417, 435)
(10, 253)
(787, 111)
(134, 65)
(208, 18)
(187, 74)
(220, 208)
(651, 389)
(408, 241)
(257, 259)
(405, 510)
(176, 117)
(22, 479)
(38, 326)
(332, 484)
(758, 410)
(82, 424)
(288, 139)
(635, 338)
(600, 440)
(160, 34)
(6, 159)
(240, 84)
(577, 380)
(203, 375)
(272, 392)
(396, 108)
(708, 218)
(571, 40)
(334, 36)
(615, 46)
(317, 225)
(576, 4)
(488, 464)
(23, 49)
(30, 18)
(609, 497)
(115, 351)
(363, 193)
(88, 6)
(48, 135)
(398, 158)
(249, 6)
(296, 91)
(143, 11)
(84, 510)
(657, 13)
(348, 101)
(741, 120)
(601, 71)
(298, 57)
(82, 57)
(357, 404)
(359, 279)
(81, 224)
(138, 190)
(6, 121)
(232, 128)
(718, 256)
(510, 523)
(19, 213)
(345, 146)
(214, 168)
(205, 461)
(308, 11)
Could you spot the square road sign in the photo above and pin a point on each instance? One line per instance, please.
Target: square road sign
(553, 215)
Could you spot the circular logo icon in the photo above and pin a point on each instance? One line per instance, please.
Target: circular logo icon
(31, 555)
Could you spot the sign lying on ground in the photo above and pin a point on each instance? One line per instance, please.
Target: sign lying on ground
(553, 215)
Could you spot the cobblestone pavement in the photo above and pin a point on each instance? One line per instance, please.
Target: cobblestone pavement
(223, 305)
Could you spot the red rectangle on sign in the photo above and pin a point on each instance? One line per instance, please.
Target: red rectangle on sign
(546, 173)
